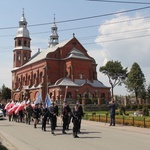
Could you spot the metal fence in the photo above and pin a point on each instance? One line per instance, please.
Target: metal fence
(122, 120)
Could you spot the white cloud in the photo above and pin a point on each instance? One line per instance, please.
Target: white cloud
(134, 49)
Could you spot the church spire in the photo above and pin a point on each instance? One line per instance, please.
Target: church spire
(22, 51)
(23, 31)
(54, 36)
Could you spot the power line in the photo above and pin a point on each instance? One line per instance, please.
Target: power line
(106, 34)
(84, 18)
(127, 2)
(114, 33)
(115, 40)
(91, 26)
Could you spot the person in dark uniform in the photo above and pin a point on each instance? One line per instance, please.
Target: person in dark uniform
(29, 111)
(52, 116)
(75, 120)
(36, 114)
(57, 111)
(65, 116)
(81, 114)
(112, 107)
(69, 116)
(21, 116)
(44, 114)
(4, 110)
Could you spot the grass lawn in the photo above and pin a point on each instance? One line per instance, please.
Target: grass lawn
(129, 116)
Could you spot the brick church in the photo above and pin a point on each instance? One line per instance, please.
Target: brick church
(63, 70)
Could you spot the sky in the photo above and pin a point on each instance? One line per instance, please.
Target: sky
(107, 30)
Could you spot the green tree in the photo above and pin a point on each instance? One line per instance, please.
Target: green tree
(135, 81)
(148, 92)
(115, 73)
(6, 92)
(145, 111)
(142, 92)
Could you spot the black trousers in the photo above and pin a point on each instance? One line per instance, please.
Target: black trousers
(65, 123)
(53, 122)
(112, 119)
(44, 123)
(79, 124)
(75, 126)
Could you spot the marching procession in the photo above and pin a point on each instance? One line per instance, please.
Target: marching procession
(47, 113)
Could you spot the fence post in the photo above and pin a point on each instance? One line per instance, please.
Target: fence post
(144, 123)
(99, 117)
(106, 117)
(123, 120)
(133, 121)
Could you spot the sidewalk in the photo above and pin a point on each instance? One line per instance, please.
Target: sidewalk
(119, 127)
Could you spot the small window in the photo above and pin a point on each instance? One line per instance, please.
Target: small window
(25, 43)
(19, 57)
(19, 43)
(25, 57)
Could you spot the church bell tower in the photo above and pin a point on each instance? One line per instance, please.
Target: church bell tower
(54, 36)
(22, 51)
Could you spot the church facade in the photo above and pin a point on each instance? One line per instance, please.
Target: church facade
(64, 70)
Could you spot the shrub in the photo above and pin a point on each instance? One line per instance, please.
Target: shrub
(145, 111)
(140, 106)
(128, 107)
(134, 107)
(88, 101)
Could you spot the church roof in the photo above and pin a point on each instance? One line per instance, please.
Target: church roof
(95, 83)
(43, 54)
(75, 53)
(64, 82)
(23, 31)
(78, 82)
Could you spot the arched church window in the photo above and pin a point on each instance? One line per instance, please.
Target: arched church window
(25, 57)
(86, 95)
(103, 95)
(69, 95)
(19, 56)
(41, 74)
(29, 80)
(25, 43)
(34, 78)
(29, 44)
(19, 42)
(29, 77)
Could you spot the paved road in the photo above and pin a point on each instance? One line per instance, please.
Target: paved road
(94, 136)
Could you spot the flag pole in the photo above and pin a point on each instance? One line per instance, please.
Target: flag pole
(46, 80)
(41, 94)
(65, 93)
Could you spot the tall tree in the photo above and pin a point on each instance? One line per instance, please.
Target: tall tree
(142, 92)
(148, 92)
(115, 73)
(135, 80)
(6, 92)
